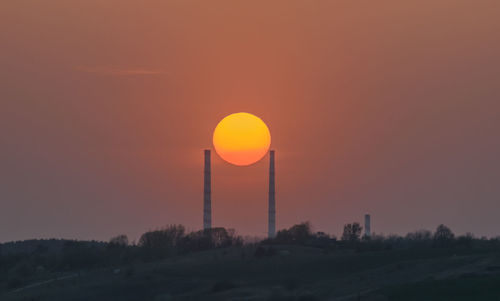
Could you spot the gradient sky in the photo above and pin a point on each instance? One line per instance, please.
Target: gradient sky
(384, 107)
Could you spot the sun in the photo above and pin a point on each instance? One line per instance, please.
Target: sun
(242, 139)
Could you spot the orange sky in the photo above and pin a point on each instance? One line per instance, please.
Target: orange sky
(389, 108)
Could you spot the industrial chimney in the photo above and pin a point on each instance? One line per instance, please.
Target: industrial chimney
(368, 232)
(207, 194)
(272, 200)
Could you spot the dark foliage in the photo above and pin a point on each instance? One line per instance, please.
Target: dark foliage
(352, 232)
(301, 234)
(297, 234)
(210, 239)
(119, 241)
(443, 236)
(22, 263)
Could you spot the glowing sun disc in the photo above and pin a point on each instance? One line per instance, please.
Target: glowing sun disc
(242, 139)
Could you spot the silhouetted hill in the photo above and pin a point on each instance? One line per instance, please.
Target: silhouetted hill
(214, 264)
(290, 272)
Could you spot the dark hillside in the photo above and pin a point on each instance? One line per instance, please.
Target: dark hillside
(293, 273)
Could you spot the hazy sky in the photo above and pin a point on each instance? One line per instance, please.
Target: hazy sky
(384, 107)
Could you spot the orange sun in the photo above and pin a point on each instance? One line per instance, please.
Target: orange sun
(241, 139)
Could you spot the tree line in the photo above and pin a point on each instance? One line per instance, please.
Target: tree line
(36, 257)
(352, 237)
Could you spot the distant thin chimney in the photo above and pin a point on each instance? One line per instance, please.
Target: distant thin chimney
(368, 232)
(207, 193)
(272, 200)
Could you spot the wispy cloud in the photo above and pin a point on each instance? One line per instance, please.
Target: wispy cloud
(105, 70)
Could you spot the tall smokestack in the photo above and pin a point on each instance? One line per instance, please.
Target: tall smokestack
(272, 200)
(368, 232)
(207, 194)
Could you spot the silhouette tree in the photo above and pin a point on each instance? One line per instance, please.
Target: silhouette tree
(220, 237)
(119, 241)
(297, 234)
(209, 239)
(443, 236)
(162, 239)
(419, 235)
(352, 232)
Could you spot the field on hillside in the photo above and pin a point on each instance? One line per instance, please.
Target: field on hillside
(292, 273)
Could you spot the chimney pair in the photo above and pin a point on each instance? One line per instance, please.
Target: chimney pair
(207, 195)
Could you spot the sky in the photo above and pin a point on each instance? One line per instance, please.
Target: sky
(390, 108)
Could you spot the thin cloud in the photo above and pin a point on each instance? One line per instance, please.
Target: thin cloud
(118, 71)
